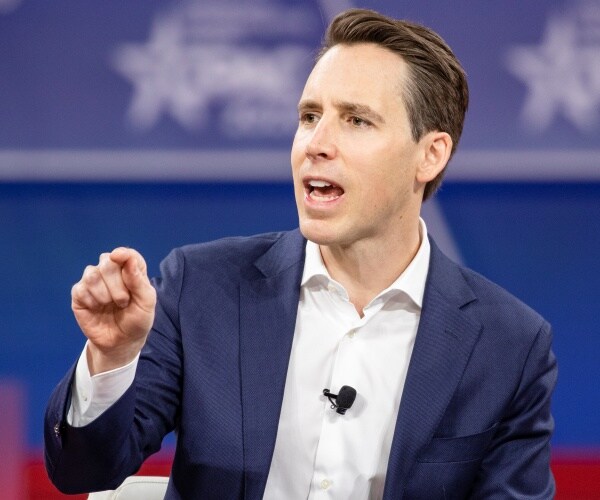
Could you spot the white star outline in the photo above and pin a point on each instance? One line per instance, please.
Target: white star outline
(562, 75)
(162, 80)
(190, 63)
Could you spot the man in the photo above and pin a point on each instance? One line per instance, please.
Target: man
(453, 374)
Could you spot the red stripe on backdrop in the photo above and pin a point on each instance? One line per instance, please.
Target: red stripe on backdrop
(12, 437)
(39, 486)
(577, 476)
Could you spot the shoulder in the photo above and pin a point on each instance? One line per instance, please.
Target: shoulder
(232, 248)
(495, 301)
(235, 254)
(203, 275)
(485, 301)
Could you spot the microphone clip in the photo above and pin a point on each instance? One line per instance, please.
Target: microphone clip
(343, 401)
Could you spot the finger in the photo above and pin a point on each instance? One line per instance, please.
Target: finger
(81, 298)
(121, 255)
(134, 275)
(111, 274)
(94, 283)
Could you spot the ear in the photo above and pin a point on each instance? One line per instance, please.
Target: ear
(437, 147)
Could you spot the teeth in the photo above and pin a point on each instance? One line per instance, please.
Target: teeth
(318, 197)
(320, 184)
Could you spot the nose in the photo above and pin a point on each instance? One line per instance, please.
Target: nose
(322, 143)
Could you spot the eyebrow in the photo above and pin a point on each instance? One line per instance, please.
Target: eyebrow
(359, 109)
(345, 107)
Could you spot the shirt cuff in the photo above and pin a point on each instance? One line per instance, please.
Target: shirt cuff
(92, 395)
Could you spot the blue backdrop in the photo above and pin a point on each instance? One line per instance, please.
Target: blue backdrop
(154, 124)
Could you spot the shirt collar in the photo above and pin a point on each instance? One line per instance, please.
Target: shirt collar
(411, 281)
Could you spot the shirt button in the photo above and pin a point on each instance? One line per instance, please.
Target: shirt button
(351, 334)
(324, 484)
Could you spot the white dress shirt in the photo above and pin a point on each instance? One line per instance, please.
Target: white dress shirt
(319, 453)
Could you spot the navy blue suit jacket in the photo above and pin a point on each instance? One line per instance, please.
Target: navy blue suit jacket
(474, 419)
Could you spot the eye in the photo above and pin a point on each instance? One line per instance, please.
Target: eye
(308, 118)
(359, 122)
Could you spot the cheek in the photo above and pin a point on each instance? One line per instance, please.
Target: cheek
(382, 183)
(297, 157)
(298, 152)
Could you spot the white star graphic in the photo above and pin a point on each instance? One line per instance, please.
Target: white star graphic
(562, 75)
(204, 62)
(163, 76)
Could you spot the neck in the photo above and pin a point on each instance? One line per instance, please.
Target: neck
(367, 267)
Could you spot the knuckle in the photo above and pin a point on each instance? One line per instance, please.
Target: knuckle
(80, 298)
(75, 290)
(104, 264)
(91, 275)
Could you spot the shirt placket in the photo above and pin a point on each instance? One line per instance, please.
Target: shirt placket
(332, 478)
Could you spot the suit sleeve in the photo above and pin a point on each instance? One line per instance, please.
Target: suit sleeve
(518, 461)
(102, 454)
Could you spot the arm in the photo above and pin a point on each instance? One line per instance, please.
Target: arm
(91, 396)
(102, 453)
(517, 464)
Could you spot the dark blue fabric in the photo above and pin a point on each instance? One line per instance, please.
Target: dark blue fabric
(474, 419)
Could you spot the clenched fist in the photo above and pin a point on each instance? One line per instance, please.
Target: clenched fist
(114, 306)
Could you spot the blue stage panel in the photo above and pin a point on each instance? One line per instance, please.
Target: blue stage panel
(540, 241)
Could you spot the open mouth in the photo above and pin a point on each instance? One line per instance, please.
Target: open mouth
(320, 190)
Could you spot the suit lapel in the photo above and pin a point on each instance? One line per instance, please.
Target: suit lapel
(445, 339)
(268, 306)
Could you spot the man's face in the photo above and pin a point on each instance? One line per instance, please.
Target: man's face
(353, 158)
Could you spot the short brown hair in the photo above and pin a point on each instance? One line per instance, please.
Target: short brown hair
(436, 94)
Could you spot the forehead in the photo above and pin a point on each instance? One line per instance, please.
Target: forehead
(358, 70)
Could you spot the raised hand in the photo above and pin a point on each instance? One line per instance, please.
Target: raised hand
(114, 306)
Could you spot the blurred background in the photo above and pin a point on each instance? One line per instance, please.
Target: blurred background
(154, 124)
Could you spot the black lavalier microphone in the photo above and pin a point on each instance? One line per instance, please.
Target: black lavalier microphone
(343, 400)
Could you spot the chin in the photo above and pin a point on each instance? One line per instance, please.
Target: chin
(318, 232)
